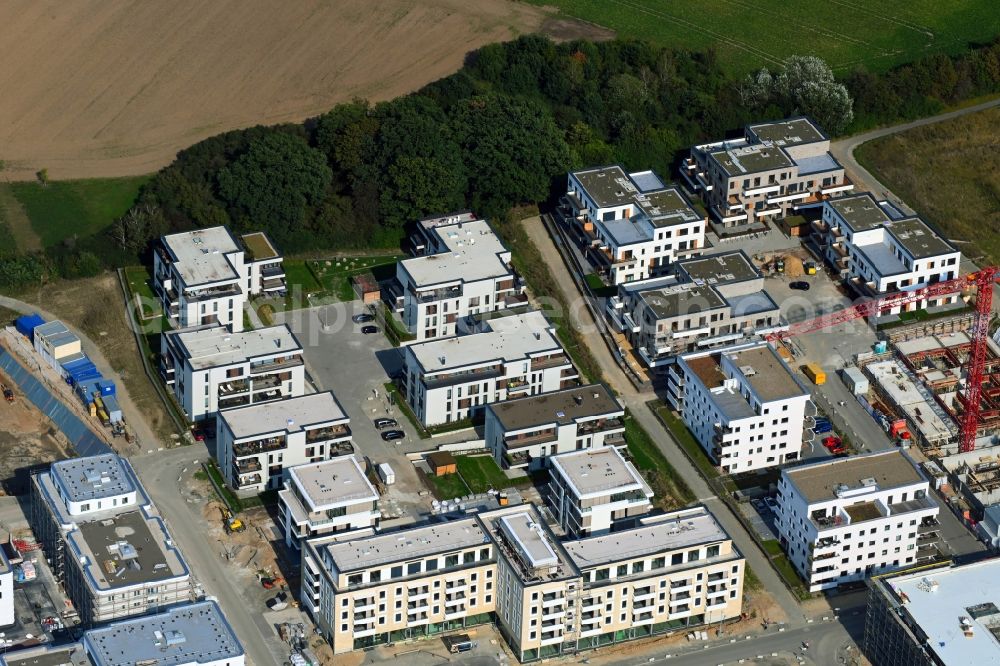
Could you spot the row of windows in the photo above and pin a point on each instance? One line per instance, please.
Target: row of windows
(421, 566)
(639, 566)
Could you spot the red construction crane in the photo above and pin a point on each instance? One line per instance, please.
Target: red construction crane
(982, 281)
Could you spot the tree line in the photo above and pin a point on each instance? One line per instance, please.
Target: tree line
(501, 131)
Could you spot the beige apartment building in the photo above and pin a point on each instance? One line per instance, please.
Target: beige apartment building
(547, 597)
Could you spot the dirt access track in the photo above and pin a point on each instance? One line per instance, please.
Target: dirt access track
(96, 88)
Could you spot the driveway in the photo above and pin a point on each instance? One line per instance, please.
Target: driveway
(843, 150)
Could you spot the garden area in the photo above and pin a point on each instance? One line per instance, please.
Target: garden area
(670, 489)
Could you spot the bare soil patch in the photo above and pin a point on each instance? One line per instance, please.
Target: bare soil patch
(95, 307)
(565, 29)
(96, 88)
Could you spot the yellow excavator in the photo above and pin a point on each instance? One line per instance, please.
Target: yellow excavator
(233, 524)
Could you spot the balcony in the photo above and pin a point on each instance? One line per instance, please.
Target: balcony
(272, 284)
(228, 291)
(517, 458)
(845, 186)
(272, 271)
(548, 362)
(234, 387)
(259, 446)
(245, 482)
(767, 188)
(600, 425)
(550, 600)
(522, 440)
(457, 378)
(275, 364)
(327, 433)
(246, 466)
(238, 401)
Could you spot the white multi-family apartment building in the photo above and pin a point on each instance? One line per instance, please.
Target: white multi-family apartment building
(850, 518)
(104, 540)
(454, 378)
(211, 368)
(324, 498)
(878, 251)
(255, 444)
(205, 276)
(772, 169)
(637, 225)
(195, 634)
(547, 597)
(743, 404)
(593, 490)
(523, 432)
(713, 301)
(462, 269)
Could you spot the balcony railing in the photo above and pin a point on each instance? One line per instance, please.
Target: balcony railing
(228, 291)
(275, 364)
(328, 433)
(259, 446)
(519, 441)
(245, 466)
(244, 482)
(548, 362)
(590, 427)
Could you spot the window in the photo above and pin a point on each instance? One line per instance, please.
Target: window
(622, 570)
(412, 568)
(712, 551)
(397, 571)
(677, 558)
(431, 564)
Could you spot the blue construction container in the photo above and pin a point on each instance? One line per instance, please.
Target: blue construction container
(26, 324)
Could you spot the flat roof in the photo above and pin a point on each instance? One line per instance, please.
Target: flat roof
(56, 333)
(286, 415)
(124, 550)
(259, 246)
(790, 132)
(200, 255)
(611, 186)
(939, 600)
(681, 300)
(48, 655)
(594, 472)
(529, 537)
(816, 164)
(556, 407)
(92, 478)
(667, 207)
(472, 252)
(764, 370)
(332, 483)
(818, 482)
(918, 239)
(724, 267)
(753, 158)
(910, 396)
(882, 258)
(757, 302)
(194, 633)
(860, 211)
(608, 186)
(511, 338)
(659, 534)
(408, 544)
(216, 346)
(625, 232)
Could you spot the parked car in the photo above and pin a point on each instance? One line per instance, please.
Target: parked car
(771, 504)
(368, 330)
(832, 441)
(822, 426)
(390, 435)
(385, 423)
(363, 318)
(799, 285)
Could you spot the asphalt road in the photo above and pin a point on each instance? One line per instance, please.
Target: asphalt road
(843, 149)
(163, 475)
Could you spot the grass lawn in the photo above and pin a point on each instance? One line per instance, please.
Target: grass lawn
(670, 489)
(75, 208)
(139, 282)
(748, 35)
(772, 547)
(448, 486)
(335, 274)
(482, 473)
(949, 173)
(687, 441)
(906, 318)
(598, 287)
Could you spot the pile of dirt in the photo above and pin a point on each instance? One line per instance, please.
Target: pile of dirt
(28, 439)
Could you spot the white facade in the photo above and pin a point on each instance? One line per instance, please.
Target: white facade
(592, 490)
(205, 276)
(879, 252)
(637, 225)
(54, 342)
(454, 378)
(464, 270)
(743, 405)
(257, 443)
(6, 592)
(523, 432)
(851, 518)
(326, 497)
(211, 368)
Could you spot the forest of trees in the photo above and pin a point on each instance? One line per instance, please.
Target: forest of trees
(501, 131)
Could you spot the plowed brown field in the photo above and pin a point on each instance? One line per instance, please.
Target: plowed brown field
(113, 87)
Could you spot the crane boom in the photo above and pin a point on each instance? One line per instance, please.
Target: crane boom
(982, 280)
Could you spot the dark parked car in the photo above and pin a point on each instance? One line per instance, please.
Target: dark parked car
(385, 423)
(362, 318)
(368, 330)
(800, 285)
(822, 427)
(390, 435)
